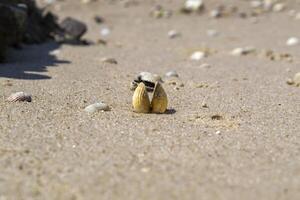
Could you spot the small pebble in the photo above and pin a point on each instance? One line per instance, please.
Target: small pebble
(105, 31)
(54, 52)
(278, 7)
(74, 28)
(204, 105)
(172, 73)
(97, 107)
(173, 34)
(296, 79)
(193, 5)
(98, 19)
(242, 51)
(109, 60)
(256, 4)
(292, 41)
(218, 132)
(197, 55)
(215, 13)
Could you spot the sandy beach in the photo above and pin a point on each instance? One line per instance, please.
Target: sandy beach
(51, 148)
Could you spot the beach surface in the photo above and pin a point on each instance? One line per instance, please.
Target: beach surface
(232, 131)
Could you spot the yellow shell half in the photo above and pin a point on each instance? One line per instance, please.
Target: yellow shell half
(140, 99)
(159, 101)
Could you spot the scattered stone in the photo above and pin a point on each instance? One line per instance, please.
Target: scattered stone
(216, 117)
(98, 19)
(278, 7)
(54, 52)
(105, 32)
(242, 51)
(97, 107)
(271, 55)
(218, 133)
(256, 4)
(201, 85)
(215, 13)
(292, 41)
(19, 96)
(109, 60)
(172, 73)
(193, 6)
(295, 81)
(173, 34)
(73, 28)
(159, 12)
(204, 105)
(198, 55)
(290, 81)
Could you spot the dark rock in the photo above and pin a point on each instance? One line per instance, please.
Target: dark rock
(21, 21)
(73, 28)
(12, 26)
(98, 19)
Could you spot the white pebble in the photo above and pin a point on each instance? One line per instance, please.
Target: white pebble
(242, 51)
(197, 55)
(172, 73)
(194, 5)
(237, 52)
(292, 41)
(54, 52)
(105, 31)
(278, 7)
(97, 107)
(173, 34)
(215, 13)
(256, 4)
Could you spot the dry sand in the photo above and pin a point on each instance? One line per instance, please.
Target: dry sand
(52, 149)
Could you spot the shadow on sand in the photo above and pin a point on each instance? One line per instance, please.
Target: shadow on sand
(30, 62)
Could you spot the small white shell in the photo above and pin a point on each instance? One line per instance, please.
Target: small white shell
(172, 73)
(19, 96)
(296, 79)
(197, 55)
(109, 60)
(292, 41)
(278, 7)
(242, 51)
(194, 5)
(97, 107)
(173, 34)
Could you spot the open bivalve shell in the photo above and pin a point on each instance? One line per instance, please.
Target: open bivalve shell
(159, 101)
(140, 99)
